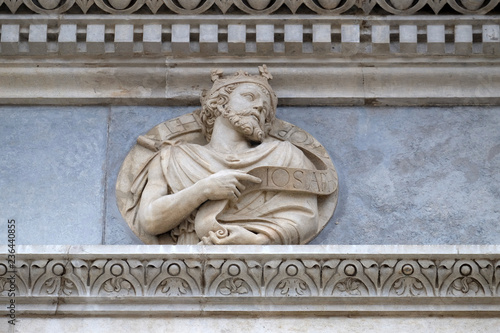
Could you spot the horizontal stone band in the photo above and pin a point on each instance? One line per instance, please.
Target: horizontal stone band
(328, 279)
(336, 36)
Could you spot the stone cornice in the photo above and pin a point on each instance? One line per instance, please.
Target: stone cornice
(167, 81)
(252, 7)
(176, 280)
(316, 60)
(300, 36)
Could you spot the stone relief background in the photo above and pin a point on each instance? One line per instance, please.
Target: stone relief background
(407, 175)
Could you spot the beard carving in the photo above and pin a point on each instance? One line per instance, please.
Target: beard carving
(245, 122)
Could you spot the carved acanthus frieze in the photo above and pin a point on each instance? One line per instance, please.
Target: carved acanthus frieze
(283, 276)
(252, 7)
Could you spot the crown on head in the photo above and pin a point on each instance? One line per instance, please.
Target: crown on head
(241, 77)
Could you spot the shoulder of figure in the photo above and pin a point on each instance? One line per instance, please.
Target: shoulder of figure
(298, 157)
(290, 146)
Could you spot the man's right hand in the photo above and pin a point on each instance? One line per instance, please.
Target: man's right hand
(226, 184)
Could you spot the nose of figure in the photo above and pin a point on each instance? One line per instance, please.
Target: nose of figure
(259, 105)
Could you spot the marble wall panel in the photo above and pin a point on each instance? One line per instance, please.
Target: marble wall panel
(126, 124)
(407, 175)
(52, 173)
(410, 175)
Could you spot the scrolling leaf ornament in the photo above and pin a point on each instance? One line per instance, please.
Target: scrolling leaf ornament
(444, 270)
(21, 277)
(313, 270)
(4, 278)
(233, 280)
(292, 281)
(58, 279)
(117, 279)
(408, 280)
(465, 280)
(378, 273)
(328, 269)
(486, 269)
(349, 280)
(429, 270)
(173, 280)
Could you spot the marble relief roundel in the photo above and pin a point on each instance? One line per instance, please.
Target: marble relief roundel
(228, 173)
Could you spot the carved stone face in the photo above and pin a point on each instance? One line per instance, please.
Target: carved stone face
(247, 110)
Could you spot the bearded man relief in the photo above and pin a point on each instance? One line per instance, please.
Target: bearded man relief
(230, 173)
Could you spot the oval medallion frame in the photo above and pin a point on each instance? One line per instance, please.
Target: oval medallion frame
(187, 128)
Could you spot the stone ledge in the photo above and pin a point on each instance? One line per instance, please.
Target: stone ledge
(316, 60)
(176, 280)
(395, 81)
(284, 306)
(258, 323)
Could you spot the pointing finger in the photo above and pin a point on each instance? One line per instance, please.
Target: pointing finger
(249, 178)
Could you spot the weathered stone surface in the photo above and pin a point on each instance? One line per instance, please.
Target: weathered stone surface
(125, 125)
(253, 324)
(410, 175)
(406, 175)
(52, 174)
